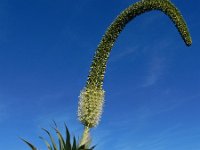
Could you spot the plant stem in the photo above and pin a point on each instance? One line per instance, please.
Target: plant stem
(85, 137)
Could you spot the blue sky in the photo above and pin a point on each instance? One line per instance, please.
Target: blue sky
(152, 80)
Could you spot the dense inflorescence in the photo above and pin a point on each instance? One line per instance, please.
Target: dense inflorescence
(90, 110)
(92, 96)
(97, 69)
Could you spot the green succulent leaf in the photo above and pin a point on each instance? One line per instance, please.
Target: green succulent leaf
(46, 143)
(67, 142)
(92, 147)
(74, 144)
(29, 144)
(60, 139)
(51, 138)
(82, 147)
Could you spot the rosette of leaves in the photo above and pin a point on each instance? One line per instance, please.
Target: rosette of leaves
(63, 143)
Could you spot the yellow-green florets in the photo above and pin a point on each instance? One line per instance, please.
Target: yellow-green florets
(90, 106)
(92, 96)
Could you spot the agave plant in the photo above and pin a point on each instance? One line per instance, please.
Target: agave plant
(64, 144)
(92, 96)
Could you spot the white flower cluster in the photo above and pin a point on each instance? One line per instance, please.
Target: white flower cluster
(90, 107)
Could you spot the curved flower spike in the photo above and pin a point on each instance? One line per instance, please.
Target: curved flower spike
(97, 71)
(92, 96)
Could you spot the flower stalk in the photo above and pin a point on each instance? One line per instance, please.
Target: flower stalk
(92, 96)
(86, 139)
